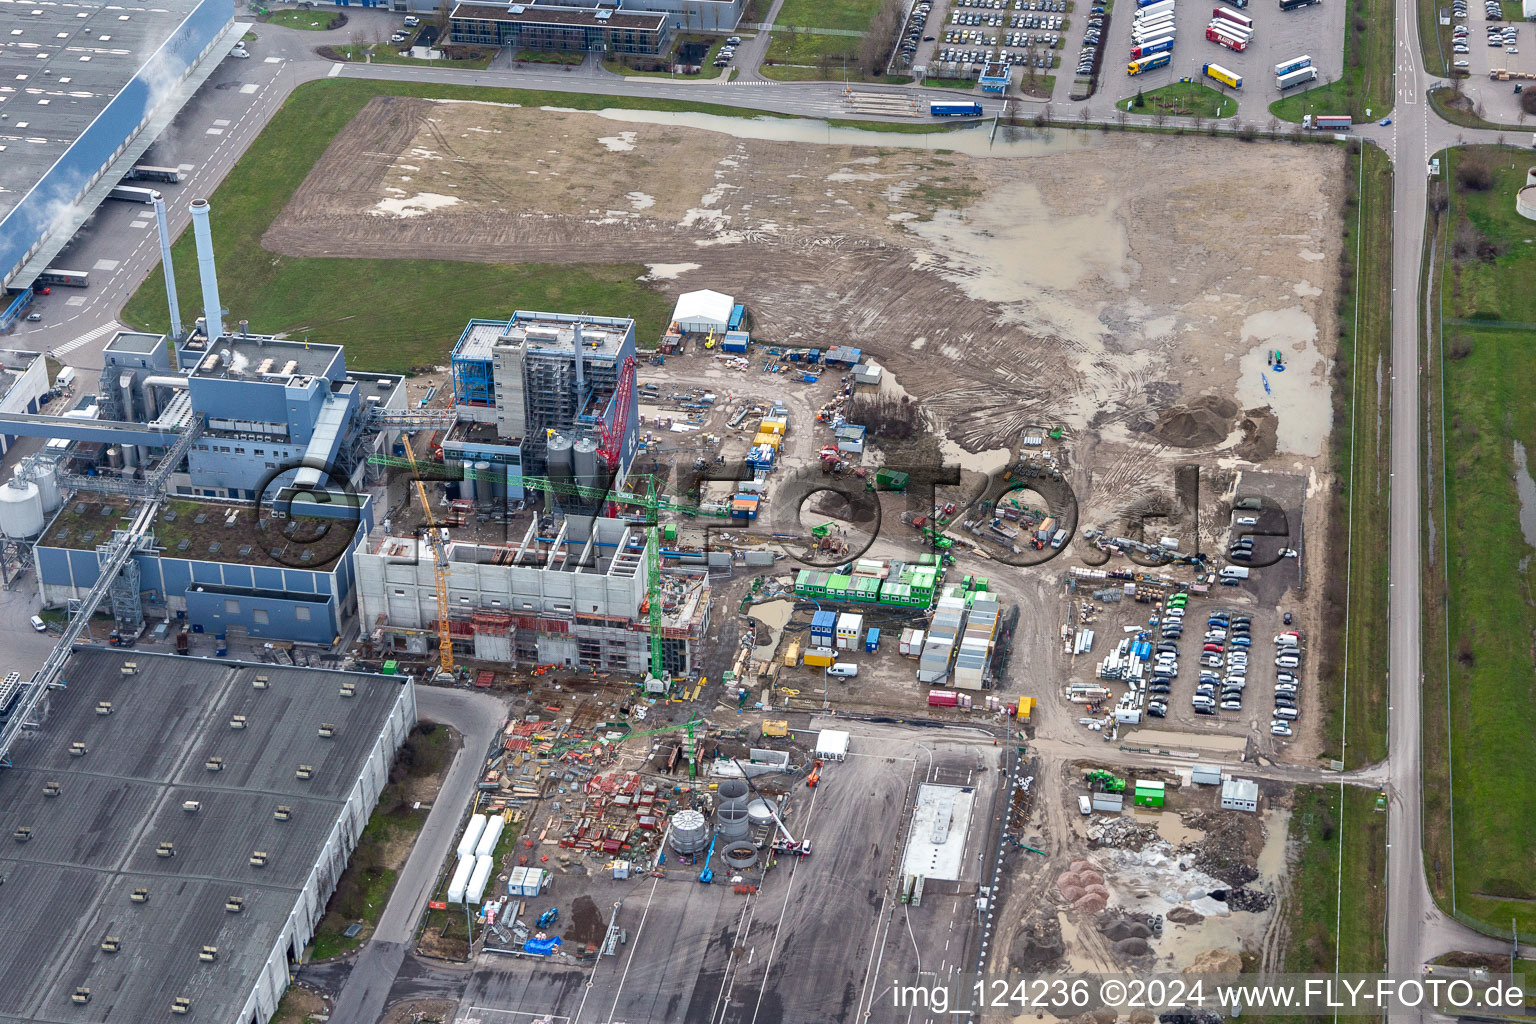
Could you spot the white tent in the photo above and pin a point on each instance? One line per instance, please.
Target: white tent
(703, 311)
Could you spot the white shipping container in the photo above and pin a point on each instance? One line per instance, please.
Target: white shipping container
(478, 878)
(471, 835)
(460, 880)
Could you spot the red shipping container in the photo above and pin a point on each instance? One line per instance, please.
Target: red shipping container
(942, 699)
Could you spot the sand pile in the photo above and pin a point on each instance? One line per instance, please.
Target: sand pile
(1215, 961)
(1200, 423)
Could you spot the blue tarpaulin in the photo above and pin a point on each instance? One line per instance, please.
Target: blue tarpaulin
(541, 947)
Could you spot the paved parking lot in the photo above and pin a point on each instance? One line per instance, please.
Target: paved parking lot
(1317, 31)
(1499, 100)
(1014, 30)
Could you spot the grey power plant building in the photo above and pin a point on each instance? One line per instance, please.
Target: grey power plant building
(87, 89)
(177, 826)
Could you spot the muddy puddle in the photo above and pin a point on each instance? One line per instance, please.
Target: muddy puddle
(1525, 487)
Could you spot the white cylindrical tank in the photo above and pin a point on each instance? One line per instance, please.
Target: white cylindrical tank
(472, 833)
(46, 476)
(478, 879)
(489, 837)
(467, 485)
(690, 832)
(484, 491)
(758, 814)
(21, 509)
(460, 880)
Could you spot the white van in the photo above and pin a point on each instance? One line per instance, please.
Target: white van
(1085, 805)
(1234, 572)
(846, 669)
(1059, 539)
(39, 625)
(1290, 714)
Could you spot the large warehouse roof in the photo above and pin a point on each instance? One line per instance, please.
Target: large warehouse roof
(77, 81)
(68, 887)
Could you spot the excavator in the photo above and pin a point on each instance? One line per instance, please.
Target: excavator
(815, 775)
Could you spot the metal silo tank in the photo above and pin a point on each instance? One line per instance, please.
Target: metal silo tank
(21, 510)
(485, 489)
(731, 819)
(46, 475)
(731, 789)
(499, 474)
(561, 465)
(689, 833)
(586, 463)
(758, 814)
(115, 457)
(467, 487)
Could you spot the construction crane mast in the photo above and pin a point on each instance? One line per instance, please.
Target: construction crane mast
(439, 568)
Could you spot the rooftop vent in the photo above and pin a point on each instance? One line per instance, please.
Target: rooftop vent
(208, 954)
(169, 515)
(245, 551)
(327, 730)
(276, 553)
(283, 812)
(183, 544)
(190, 806)
(82, 508)
(349, 689)
(235, 904)
(237, 722)
(306, 556)
(139, 896)
(88, 537)
(259, 683)
(200, 518)
(214, 547)
(305, 771)
(77, 749)
(63, 534)
(103, 707)
(52, 789)
(111, 944)
(181, 1005)
(214, 764)
(130, 668)
(81, 996)
(259, 859)
(23, 834)
(165, 850)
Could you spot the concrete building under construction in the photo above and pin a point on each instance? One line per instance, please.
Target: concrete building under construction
(577, 598)
(545, 401)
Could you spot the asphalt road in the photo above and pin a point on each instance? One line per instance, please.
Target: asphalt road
(478, 718)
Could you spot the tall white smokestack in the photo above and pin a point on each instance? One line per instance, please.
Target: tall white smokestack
(165, 265)
(212, 310)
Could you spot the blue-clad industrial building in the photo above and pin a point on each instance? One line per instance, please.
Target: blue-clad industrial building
(88, 88)
(230, 548)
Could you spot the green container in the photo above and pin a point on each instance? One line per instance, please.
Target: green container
(669, 532)
(391, 668)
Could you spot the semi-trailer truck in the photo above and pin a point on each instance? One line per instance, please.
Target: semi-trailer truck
(1291, 79)
(1151, 10)
(1232, 16)
(1138, 37)
(1295, 64)
(1232, 43)
(1327, 122)
(1162, 45)
(1145, 64)
(1220, 74)
(954, 109)
(1155, 27)
(1292, 5)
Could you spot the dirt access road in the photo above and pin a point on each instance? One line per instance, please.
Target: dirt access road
(1100, 281)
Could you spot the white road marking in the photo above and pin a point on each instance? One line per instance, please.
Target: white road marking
(248, 88)
(335, 70)
(105, 265)
(85, 339)
(215, 131)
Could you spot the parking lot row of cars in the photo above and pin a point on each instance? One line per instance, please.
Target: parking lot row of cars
(1093, 37)
(727, 52)
(1058, 6)
(1287, 682)
(919, 19)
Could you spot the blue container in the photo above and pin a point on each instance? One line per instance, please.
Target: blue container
(872, 640)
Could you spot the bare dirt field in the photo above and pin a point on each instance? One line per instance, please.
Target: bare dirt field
(1127, 287)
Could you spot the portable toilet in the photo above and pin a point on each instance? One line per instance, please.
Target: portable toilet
(872, 639)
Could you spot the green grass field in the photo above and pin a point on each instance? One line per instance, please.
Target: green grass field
(1319, 928)
(1359, 510)
(1480, 625)
(309, 21)
(1182, 99)
(1367, 82)
(391, 314)
(791, 46)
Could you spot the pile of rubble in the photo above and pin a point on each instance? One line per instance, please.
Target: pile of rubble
(1122, 834)
(1229, 847)
(1082, 886)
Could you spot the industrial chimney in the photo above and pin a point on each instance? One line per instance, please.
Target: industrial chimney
(205, 269)
(165, 266)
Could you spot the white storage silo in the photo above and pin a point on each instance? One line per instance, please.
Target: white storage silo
(460, 881)
(731, 819)
(478, 878)
(21, 509)
(472, 833)
(46, 476)
(689, 833)
(585, 463)
(559, 459)
(467, 487)
(487, 844)
(758, 814)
